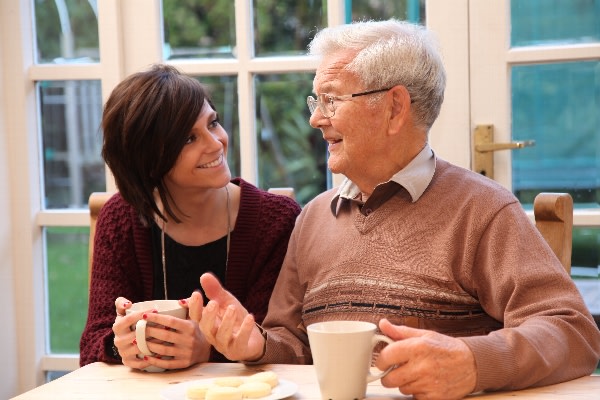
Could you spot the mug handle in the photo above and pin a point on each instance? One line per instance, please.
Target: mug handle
(140, 337)
(376, 339)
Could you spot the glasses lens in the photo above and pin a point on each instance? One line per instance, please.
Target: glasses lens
(312, 104)
(326, 105)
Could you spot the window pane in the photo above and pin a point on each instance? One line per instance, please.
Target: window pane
(543, 22)
(407, 10)
(199, 29)
(557, 106)
(585, 261)
(66, 30)
(291, 153)
(285, 27)
(67, 272)
(224, 94)
(72, 141)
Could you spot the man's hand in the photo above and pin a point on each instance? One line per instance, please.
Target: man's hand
(225, 323)
(430, 365)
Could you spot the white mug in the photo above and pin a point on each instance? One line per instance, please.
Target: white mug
(342, 353)
(167, 307)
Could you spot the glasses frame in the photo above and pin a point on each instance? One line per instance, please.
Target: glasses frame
(325, 101)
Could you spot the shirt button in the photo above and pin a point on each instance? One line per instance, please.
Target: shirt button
(368, 211)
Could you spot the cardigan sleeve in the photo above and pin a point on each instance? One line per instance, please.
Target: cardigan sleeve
(115, 273)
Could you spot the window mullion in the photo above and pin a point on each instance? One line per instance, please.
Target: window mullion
(244, 17)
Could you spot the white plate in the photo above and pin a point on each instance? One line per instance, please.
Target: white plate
(177, 392)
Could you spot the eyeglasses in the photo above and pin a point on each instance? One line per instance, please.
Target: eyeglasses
(326, 104)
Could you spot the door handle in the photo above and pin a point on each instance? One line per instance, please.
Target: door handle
(484, 147)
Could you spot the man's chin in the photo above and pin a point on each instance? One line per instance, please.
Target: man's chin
(334, 168)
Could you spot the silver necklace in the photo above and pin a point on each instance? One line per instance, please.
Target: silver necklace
(162, 244)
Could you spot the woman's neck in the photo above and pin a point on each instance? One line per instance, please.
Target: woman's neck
(205, 217)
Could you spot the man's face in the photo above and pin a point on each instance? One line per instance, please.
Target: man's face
(354, 133)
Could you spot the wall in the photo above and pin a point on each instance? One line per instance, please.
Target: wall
(8, 333)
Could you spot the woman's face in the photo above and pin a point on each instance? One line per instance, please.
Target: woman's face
(202, 163)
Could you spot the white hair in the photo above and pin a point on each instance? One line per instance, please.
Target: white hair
(390, 53)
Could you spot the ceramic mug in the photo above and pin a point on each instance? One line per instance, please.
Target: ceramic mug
(166, 307)
(342, 352)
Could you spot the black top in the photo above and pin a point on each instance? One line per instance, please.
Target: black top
(185, 264)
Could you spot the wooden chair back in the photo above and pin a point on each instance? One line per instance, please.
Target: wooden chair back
(284, 191)
(554, 219)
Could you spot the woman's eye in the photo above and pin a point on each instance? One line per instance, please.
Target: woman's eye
(214, 123)
(190, 139)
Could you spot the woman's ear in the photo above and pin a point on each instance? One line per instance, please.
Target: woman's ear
(400, 108)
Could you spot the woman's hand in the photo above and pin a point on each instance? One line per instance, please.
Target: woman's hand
(177, 343)
(185, 344)
(124, 331)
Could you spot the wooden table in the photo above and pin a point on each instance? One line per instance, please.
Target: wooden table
(104, 381)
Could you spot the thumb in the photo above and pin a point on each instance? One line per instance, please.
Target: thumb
(398, 332)
(214, 290)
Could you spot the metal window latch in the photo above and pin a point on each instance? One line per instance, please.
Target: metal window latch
(484, 147)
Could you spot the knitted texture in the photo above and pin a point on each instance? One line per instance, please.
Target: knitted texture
(122, 262)
(463, 260)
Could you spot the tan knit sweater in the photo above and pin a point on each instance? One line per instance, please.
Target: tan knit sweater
(463, 260)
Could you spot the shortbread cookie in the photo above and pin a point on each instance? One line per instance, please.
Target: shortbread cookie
(223, 393)
(230, 381)
(197, 391)
(255, 389)
(269, 377)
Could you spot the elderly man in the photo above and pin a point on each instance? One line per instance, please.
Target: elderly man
(443, 259)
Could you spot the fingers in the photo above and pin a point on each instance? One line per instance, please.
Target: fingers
(399, 332)
(236, 344)
(209, 321)
(196, 306)
(121, 305)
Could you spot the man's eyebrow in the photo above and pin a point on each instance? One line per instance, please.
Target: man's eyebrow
(326, 88)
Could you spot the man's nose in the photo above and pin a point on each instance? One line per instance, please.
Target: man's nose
(317, 119)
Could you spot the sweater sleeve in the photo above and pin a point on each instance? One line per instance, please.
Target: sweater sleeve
(548, 335)
(115, 273)
(287, 341)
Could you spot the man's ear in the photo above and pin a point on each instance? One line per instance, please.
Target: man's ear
(400, 108)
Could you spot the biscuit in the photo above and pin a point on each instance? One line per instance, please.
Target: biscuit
(255, 389)
(230, 381)
(269, 377)
(223, 393)
(197, 391)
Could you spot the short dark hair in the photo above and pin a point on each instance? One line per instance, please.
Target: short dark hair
(146, 122)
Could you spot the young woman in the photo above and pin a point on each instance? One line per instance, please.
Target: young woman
(177, 215)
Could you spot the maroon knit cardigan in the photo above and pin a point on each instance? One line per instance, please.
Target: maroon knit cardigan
(122, 263)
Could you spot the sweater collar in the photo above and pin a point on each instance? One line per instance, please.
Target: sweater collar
(415, 178)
